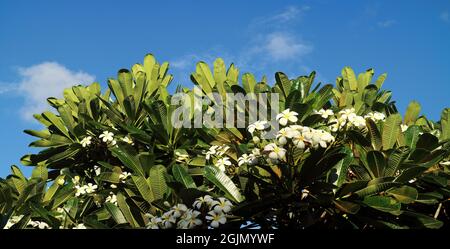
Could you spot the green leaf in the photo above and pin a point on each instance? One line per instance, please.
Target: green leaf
(395, 159)
(115, 213)
(223, 182)
(349, 78)
(426, 221)
(121, 202)
(375, 135)
(380, 80)
(182, 176)
(376, 188)
(129, 160)
(40, 172)
(382, 203)
(157, 181)
(391, 129)
(445, 124)
(412, 136)
(376, 163)
(283, 82)
(404, 194)
(144, 188)
(248, 82)
(412, 112)
(347, 207)
(57, 122)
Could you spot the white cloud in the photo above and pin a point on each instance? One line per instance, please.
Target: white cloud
(48, 79)
(445, 16)
(283, 46)
(290, 13)
(386, 23)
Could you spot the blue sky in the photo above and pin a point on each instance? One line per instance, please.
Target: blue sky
(46, 46)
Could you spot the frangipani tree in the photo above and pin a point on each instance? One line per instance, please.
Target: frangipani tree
(343, 157)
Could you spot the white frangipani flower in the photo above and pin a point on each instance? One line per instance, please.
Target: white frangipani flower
(112, 198)
(325, 113)
(153, 221)
(275, 152)
(86, 141)
(222, 205)
(39, 224)
(178, 210)
(97, 170)
(200, 201)
(258, 125)
(167, 220)
(216, 150)
(216, 219)
(127, 140)
(287, 116)
(123, 176)
(90, 188)
(80, 226)
(375, 116)
(190, 220)
(107, 137)
(223, 163)
(246, 159)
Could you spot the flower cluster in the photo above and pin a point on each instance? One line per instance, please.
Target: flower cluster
(85, 189)
(35, 224)
(347, 118)
(216, 151)
(205, 211)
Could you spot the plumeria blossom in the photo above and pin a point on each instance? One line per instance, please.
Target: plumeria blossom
(153, 221)
(107, 137)
(201, 201)
(223, 163)
(258, 125)
(167, 219)
(85, 189)
(86, 141)
(287, 116)
(112, 198)
(246, 159)
(222, 205)
(97, 170)
(325, 113)
(127, 140)
(349, 118)
(216, 150)
(124, 175)
(275, 152)
(375, 116)
(80, 226)
(178, 210)
(190, 220)
(216, 219)
(39, 224)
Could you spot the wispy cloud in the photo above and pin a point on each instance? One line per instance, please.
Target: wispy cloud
(445, 16)
(38, 82)
(281, 46)
(272, 43)
(386, 23)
